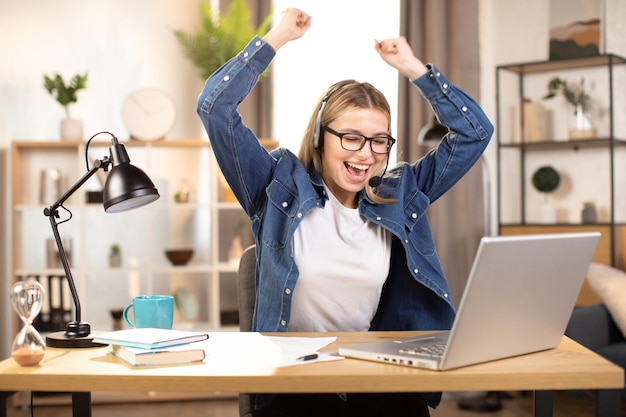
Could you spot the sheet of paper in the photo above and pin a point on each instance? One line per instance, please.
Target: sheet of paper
(249, 350)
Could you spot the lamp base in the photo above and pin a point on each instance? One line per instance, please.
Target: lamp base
(63, 341)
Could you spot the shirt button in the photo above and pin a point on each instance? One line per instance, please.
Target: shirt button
(438, 74)
(226, 77)
(287, 291)
(379, 218)
(245, 54)
(284, 204)
(414, 215)
(299, 215)
(464, 108)
(406, 240)
(415, 270)
(283, 323)
(258, 43)
(445, 85)
(446, 295)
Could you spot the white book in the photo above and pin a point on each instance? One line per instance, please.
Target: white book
(148, 338)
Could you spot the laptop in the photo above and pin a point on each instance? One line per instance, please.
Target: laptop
(518, 299)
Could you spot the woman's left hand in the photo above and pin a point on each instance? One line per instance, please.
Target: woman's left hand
(397, 53)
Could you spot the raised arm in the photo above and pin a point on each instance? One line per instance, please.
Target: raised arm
(398, 53)
(293, 24)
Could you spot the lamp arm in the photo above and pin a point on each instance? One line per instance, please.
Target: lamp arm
(53, 213)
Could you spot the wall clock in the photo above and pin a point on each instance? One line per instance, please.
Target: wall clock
(149, 114)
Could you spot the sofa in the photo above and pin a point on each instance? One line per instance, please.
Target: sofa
(602, 327)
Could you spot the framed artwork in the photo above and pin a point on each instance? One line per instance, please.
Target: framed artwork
(576, 28)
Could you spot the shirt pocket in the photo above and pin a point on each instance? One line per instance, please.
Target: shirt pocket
(417, 227)
(280, 215)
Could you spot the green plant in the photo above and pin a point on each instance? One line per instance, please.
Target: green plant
(577, 96)
(220, 38)
(546, 179)
(115, 249)
(589, 204)
(65, 94)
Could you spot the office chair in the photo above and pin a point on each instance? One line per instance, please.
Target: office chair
(246, 288)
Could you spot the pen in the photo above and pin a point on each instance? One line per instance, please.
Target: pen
(310, 357)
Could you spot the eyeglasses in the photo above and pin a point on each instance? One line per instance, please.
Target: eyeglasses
(356, 142)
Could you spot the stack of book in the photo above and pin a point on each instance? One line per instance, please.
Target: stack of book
(149, 347)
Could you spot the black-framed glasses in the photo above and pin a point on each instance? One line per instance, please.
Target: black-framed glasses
(355, 142)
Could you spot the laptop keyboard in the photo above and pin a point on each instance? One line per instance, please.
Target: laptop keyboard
(428, 350)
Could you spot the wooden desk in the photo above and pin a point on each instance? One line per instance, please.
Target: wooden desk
(570, 366)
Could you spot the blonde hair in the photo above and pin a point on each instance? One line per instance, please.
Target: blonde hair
(339, 99)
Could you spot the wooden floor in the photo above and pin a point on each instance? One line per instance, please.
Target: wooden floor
(518, 405)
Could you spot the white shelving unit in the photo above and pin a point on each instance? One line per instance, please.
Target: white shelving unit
(205, 287)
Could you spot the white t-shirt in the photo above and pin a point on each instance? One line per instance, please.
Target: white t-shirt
(343, 260)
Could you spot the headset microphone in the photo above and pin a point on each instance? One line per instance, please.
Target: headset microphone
(376, 180)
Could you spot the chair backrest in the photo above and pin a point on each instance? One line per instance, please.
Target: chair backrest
(246, 287)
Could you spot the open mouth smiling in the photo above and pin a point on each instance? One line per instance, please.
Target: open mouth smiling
(358, 171)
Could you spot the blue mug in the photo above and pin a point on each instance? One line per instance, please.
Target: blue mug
(155, 311)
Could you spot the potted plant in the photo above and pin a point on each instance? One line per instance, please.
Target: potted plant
(580, 126)
(221, 36)
(65, 94)
(115, 256)
(546, 179)
(589, 214)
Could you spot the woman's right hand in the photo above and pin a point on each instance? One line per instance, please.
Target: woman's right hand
(293, 24)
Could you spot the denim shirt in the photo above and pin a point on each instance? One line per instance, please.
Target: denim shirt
(277, 192)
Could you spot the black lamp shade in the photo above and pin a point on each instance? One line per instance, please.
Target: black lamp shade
(127, 187)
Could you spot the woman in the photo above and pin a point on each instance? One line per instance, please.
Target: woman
(342, 243)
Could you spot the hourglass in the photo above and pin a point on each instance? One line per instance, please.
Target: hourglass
(27, 297)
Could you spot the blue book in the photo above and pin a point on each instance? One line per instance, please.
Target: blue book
(172, 355)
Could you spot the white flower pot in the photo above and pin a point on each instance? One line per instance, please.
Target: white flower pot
(548, 213)
(71, 129)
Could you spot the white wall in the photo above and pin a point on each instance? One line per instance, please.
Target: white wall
(124, 45)
(339, 45)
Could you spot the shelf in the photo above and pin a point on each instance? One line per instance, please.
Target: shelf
(553, 225)
(566, 144)
(590, 168)
(545, 66)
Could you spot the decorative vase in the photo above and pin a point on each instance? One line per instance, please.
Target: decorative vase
(548, 213)
(589, 215)
(115, 260)
(71, 129)
(581, 126)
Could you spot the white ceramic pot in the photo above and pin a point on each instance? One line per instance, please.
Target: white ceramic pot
(548, 213)
(71, 129)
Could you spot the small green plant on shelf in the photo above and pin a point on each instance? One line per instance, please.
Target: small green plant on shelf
(65, 93)
(575, 96)
(589, 205)
(546, 179)
(115, 249)
(115, 256)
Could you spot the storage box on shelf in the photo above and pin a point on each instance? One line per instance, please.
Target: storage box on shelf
(189, 214)
(591, 168)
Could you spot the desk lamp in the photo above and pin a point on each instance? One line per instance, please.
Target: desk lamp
(127, 187)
